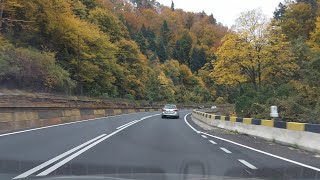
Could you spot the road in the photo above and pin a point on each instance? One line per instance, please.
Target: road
(144, 146)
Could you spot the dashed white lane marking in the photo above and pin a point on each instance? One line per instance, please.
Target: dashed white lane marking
(247, 164)
(35, 169)
(212, 142)
(204, 136)
(253, 149)
(225, 150)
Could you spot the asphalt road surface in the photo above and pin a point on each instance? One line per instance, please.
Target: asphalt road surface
(144, 146)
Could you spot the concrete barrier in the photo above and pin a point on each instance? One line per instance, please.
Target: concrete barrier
(301, 135)
(12, 119)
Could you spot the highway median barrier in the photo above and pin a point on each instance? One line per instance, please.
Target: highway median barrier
(305, 136)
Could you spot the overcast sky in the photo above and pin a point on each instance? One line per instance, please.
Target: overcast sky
(225, 11)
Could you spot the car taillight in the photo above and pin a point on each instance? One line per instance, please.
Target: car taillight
(175, 110)
(163, 110)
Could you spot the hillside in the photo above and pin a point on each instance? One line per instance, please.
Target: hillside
(112, 48)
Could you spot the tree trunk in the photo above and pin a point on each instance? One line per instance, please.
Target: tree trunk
(254, 79)
(259, 76)
(240, 89)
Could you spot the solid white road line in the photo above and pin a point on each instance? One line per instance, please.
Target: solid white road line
(45, 127)
(204, 136)
(66, 160)
(86, 146)
(212, 142)
(149, 116)
(225, 150)
(185, 120)
(253, 149)
(69, 158)
(126, 124)
(136, 121)
(247, 164)
(35, 169)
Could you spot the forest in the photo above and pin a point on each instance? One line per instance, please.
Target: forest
(142, 50)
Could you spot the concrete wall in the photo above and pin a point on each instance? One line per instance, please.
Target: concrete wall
(289, 133)
(12, 119)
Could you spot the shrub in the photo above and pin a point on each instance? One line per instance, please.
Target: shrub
(243, 105)
(30, 68)
(220, 100)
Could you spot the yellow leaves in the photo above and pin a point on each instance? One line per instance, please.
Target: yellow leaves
(200, 82)
(150, 18)
(185, 72)
(314, 41)
(108, 23)
(299, 20)
(231, 58)
(240, 60)
(278, 59)
(166, 85)
(171, 68)
(163, 79)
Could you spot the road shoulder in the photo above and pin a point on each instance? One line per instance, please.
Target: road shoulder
(288, 152)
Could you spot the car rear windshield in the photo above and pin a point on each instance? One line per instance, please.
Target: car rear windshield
(170, 107)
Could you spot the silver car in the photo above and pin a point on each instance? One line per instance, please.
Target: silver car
(170, 110)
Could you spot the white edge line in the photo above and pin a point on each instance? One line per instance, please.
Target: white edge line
(225, 150)
(247, 164)
(45, 127)
(35, 169)
(126, 124)
(66, 160)
(213, 142)
(257, 150)
(185, 120)
(266, 153)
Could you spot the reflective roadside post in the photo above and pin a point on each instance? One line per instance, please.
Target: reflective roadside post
(274, 112)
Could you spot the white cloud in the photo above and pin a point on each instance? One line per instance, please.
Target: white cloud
(225, 11)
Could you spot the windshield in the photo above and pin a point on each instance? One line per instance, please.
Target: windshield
(170, 107)
(159, 89)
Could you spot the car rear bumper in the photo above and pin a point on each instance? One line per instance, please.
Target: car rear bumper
(175, 114)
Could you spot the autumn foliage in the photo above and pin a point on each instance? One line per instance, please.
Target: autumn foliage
(141, 50)
(265, 62)
(107, 48)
